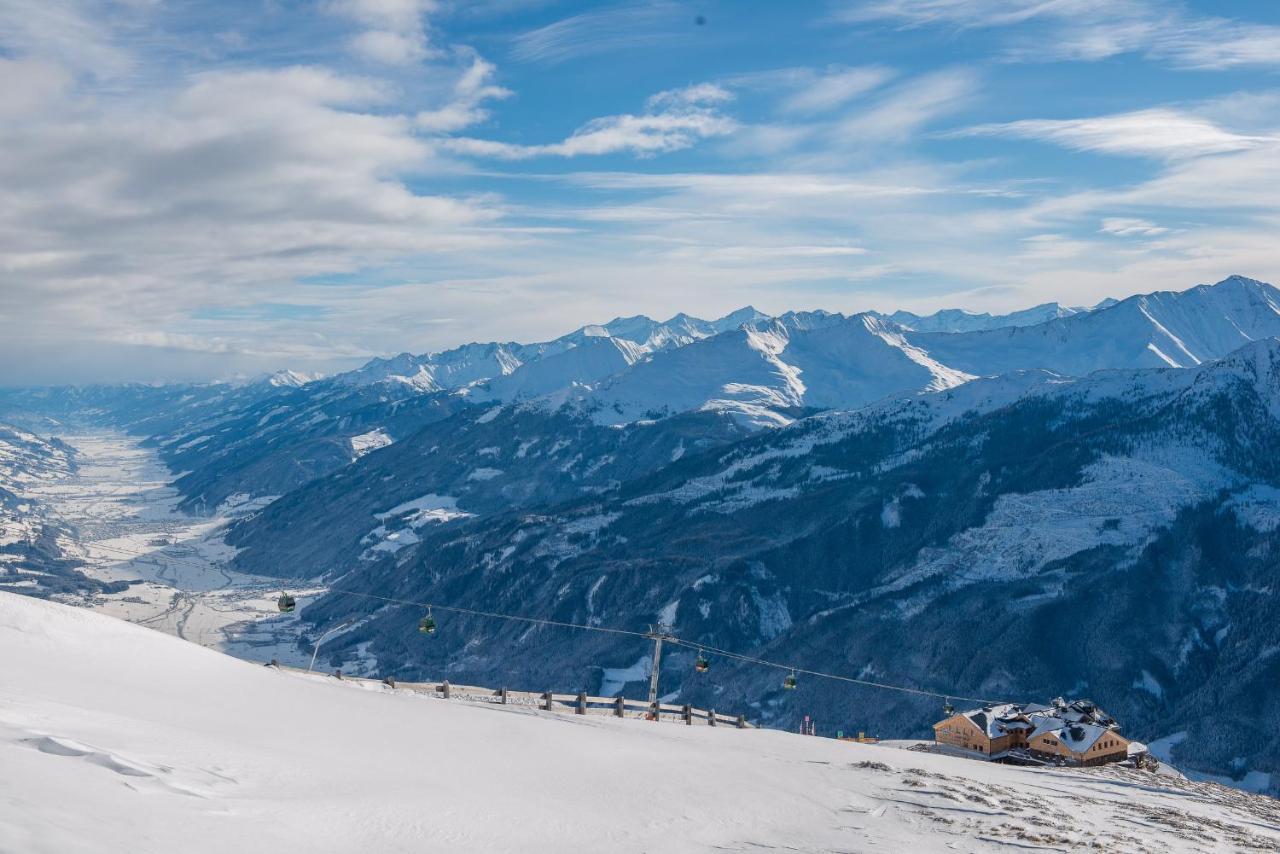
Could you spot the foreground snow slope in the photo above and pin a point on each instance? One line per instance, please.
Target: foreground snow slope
(117, 738)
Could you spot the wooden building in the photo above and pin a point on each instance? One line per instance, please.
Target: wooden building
(1075, 733)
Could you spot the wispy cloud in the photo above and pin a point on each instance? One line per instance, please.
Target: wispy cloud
(1093, 29)
(913, 105)
(1162, 133)
(629, 27)
(677, 119)
(473, 88)
(831, 88)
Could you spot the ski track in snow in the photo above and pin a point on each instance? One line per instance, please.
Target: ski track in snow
(124, 508)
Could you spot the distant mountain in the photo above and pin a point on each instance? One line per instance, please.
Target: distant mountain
(472, 363)
(1163, 329)
(270, 437)
(959, 320)
(766, 370)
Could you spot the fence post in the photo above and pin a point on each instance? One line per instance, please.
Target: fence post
(546, 701)
(444, 688)
(619, 707)
(688, 714)
(711, 717)
(742, 721)
(502, 693)
(582, 703)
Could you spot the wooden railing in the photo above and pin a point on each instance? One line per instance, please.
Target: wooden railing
(577, 704)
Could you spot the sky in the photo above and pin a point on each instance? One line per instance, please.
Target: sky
(197, 189)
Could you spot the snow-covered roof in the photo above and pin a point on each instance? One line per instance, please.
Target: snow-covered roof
(996, 721)
(1080, 737)
(1037, 719)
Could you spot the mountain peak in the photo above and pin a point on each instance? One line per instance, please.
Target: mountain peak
(291, 379)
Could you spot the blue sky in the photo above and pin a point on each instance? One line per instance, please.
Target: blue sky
(196, 189)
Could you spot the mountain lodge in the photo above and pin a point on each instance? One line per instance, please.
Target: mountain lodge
(1075, 733)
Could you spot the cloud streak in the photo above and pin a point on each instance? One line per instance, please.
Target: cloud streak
(1092, 29)
(676, 119)
(1161, 133)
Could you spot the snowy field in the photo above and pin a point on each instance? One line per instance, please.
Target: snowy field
(114, 738)
(123, 507)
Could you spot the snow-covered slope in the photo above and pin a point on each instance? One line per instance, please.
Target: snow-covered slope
(1163, 329)
(590, 361)
(114, 738)
(959, 320)
(762, 369)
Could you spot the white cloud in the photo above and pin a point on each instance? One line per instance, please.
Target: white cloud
(1160, 132)
(390, 47)
(224, 193)
(29, 85)
(698, 94)
(681, 122)
(472, 89)
(394, 34)
(1130, 227)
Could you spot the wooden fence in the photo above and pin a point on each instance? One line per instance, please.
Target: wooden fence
(576, 704)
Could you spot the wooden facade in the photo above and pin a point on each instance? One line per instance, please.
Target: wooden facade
(1110, 747)
(960, 732)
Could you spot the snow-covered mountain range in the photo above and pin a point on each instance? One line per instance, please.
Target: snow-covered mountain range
(918, 498)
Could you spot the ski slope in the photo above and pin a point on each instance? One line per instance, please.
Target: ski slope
(116, 738)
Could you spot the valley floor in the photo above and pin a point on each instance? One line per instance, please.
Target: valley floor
(116, 739)
(125, 510)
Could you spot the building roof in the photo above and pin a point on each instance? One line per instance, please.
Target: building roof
(1078, 738)
(996, 721)
(1075, 722)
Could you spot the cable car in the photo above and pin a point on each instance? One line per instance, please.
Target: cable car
(948, 709)
(790, 682)
(286, 603)
(427, 625)
(701, 664)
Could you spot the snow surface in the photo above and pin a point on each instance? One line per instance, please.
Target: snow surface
(371, 441)
(114, 738)
(400, 523)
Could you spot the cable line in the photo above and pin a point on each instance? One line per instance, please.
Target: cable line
(494, 614)
(795, 670)
(701, 648)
